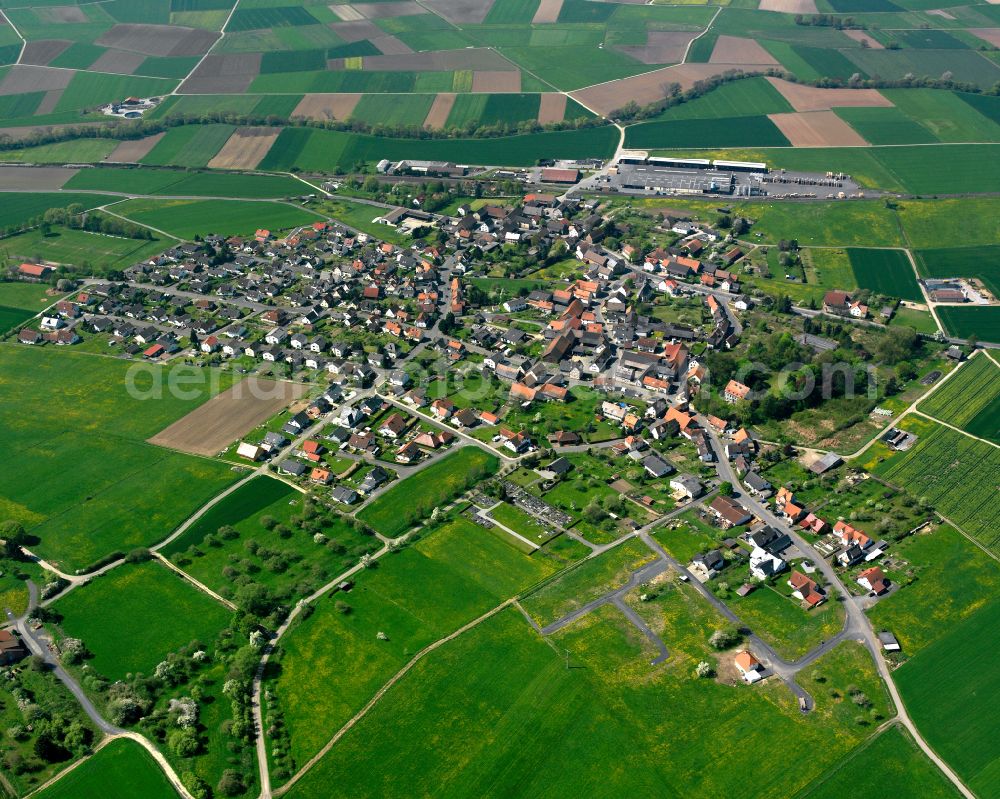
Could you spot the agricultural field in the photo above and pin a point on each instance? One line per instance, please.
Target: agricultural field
(133, 616)
(185, 183)
(19, 208)
(955, 473)
(20, 301)
(111, 505)
(462, 571)
(189, 218)
(943, 686)
(893, 760)
(122, 769)
(980, 323)
(885, 272)
(405, 504)
(970, 392)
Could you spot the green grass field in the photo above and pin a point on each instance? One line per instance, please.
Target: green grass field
(743, 98)
(944, 115)
(945, 688)
(393, 109)
(894, 762)
(124, 493)
(189, 146)
(412, 499)
(751, 131)
(332, 663)
(287, 559)
(21, 207)
(79, 248)
(980, 323)
(75, 151)
(885, 272)
(133, 616)
(886, 126)
(923, 221)
(975, 262)
(20, 301)
(957, 474)
(792, 631)
(188, 218)
(120, 770)
(532, 715)
(185, 184)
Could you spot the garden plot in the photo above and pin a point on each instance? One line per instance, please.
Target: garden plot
(210, 428)
(245, 149)
(159, 40)
(488, 81)
(326, 106)
(817, 129)
(131, 152)
(440, 109)
(809, 98)
(43, 51)
(23, 78)
(462, 12)
(552, 108)
(734, 50)
(662, 47)
(223, 74)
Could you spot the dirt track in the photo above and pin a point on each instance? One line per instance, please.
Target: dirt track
(210, 428)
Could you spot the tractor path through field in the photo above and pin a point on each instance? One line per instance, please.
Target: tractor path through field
(39, 646)
(385, 688)
(222, 35)
(857, 624)
(959, 430)
(106, 209)
(24, 42)
(197, 584)
(484, 514)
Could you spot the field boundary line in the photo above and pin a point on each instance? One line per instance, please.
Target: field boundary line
(222, 35)
(955, 429)
(385, 688)
(196, 583)
(711, 22)
(24, 42)
(72, 766)
(104, 209)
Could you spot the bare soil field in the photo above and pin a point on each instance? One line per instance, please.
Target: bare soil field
(64, 14)
(862, 36)
(223, 74)
(130, 152)
(389, 10)
(496, 82)
(548, 11)
(161, 40)
(35, 178)
(390, 45)
(650, 86)
(346, 13)
(121, 62)
(940, 12)
(49, 101)
(469, 12)
(991, 35)
(43, 51)
(245, 148)
(789, 6)
(662, 47)
(439, 111)
(23, 78)
(552, 108)
(326, 106)
(817, 129)
(211, 427)
(808, 98)
(356, 31)
(734, 50)
(442, 61)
